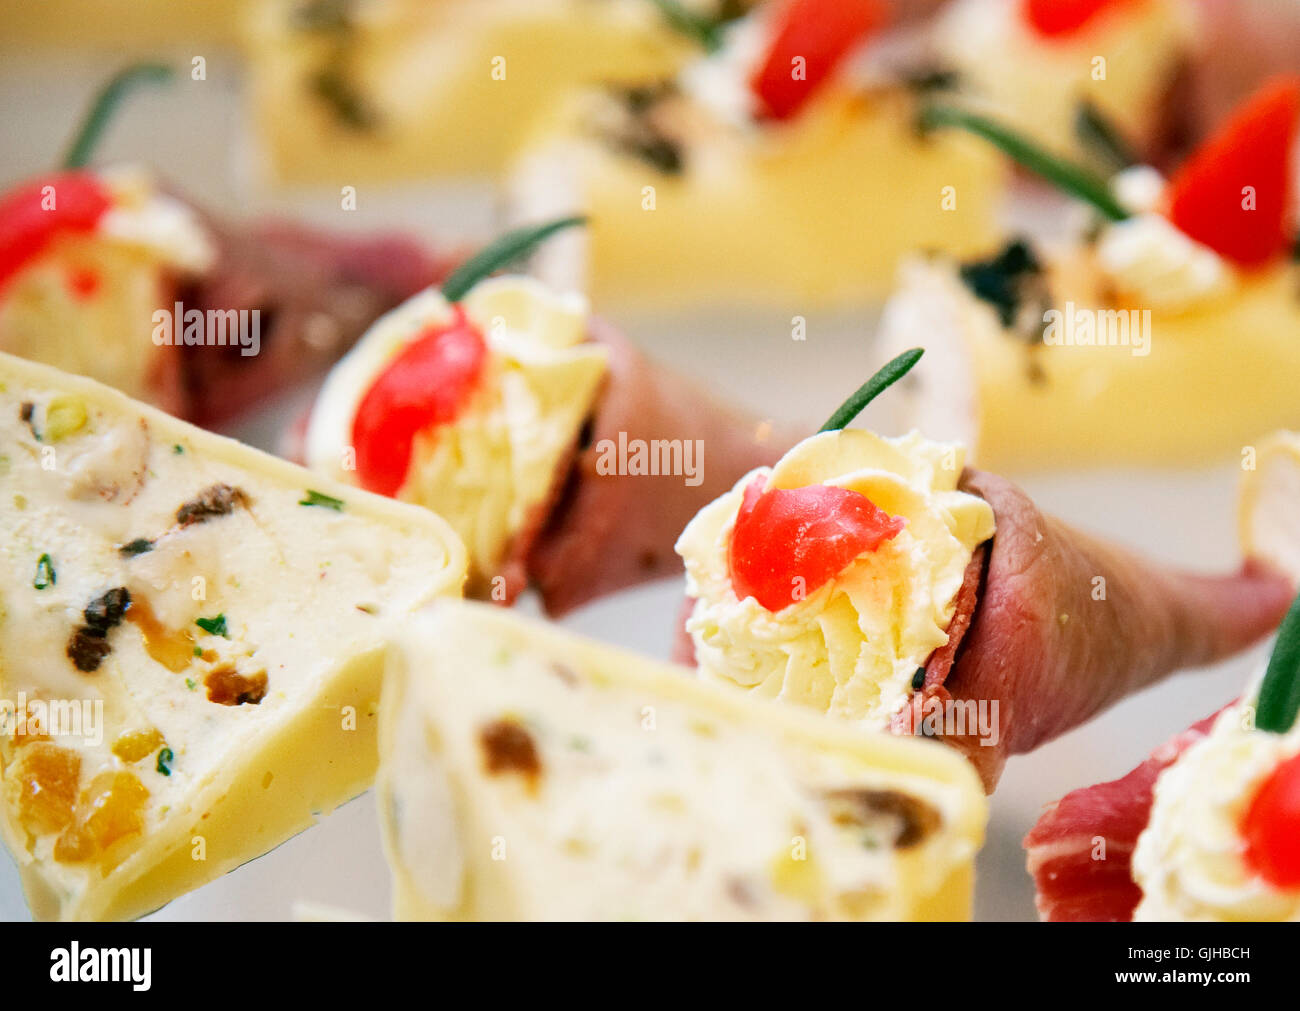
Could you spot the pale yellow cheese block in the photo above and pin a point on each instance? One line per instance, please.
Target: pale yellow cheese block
(271, 724)
(1269, 509)
(530, 774)
(1123, 63)
(810, 214)
(1212, 376)
(453, 85)
(121, 25)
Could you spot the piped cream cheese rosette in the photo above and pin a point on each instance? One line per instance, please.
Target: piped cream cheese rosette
(1195, 861)
(846, 640)
(487, 457)
(1178, 293)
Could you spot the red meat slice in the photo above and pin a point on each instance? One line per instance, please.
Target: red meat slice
(1071, 885)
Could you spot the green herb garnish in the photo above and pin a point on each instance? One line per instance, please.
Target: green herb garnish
(178, 449)
(704, 30)
(1279, 694)
(891, 373)
(213, 626)
(1102, 137)
(190, 683)
(500, 253)
(165, 758)
(1004, 279)
(1073, 179)
(105, 104)
(315, 498)
(45, 576)
(139, 546)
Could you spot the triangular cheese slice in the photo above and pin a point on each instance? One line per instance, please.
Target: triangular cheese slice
(155, 746)
(530, 774)
(1270, 502)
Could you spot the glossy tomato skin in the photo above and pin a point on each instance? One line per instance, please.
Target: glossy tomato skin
(1234, 193)
(788, 543)
(820, 32)
(33, 213)
(1271, 828)
(426, 384)
(1062, 18)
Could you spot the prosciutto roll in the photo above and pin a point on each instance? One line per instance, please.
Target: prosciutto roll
(106, 274)
(976, 617)
(1080, 852)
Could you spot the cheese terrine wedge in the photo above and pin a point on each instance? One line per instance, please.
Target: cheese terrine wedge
(529, 774)
(191, 640)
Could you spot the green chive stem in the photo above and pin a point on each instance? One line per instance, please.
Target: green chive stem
(682, 19)
(888, 375)
(105, 104)
(501, 252)
(1073, 179)
(1279, 694)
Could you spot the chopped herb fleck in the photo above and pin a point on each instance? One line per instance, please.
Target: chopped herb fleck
(165, 758)
(1004, 280)
(198, 650)
(918, 679)
(213, 626)
(45, 575)
(139, 546)
(178, 449)
(315, 498)
(190, 683)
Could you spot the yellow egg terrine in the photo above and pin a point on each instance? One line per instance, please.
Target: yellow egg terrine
(407, 89)
(686, 206)
(191, 641)
(530, 774)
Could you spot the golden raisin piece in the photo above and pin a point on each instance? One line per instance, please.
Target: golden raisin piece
(112, 808)
(227, 687)
(134, 745)
(74, 846)
(47, 778)
(508, 747)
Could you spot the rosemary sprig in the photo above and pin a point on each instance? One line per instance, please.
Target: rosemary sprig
(888, 375)
(1279, 694)
(105, 104)
(1102, 137)
(500, 253)
(704, 30)
(1073, 179)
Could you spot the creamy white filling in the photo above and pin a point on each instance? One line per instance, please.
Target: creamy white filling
(1149, 258)
(1189, 860)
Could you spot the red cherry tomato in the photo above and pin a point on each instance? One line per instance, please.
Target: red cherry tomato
(1054, 18)
(807, 534)
(822, 33)
(30, 217)
(1271, 827)
(426, 384)
(1209, 199)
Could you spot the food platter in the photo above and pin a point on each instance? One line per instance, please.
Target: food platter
(784, 364)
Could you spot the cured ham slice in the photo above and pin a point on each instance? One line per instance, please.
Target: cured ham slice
(1068, 625)
(1080, 850)
(611, 531)
(316, 293)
